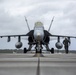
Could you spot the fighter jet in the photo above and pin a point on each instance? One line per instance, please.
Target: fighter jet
(39, 37)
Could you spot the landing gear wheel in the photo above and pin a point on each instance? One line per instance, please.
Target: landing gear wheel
(25, 50)
(52, 50)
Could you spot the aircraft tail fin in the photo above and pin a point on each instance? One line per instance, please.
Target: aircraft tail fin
(51, 23)
(27, 23)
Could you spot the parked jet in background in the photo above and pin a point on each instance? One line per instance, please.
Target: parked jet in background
(39, 37)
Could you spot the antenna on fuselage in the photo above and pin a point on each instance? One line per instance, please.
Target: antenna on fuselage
(27, 23)
(51, 23)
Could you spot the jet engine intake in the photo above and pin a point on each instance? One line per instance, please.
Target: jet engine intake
(46, 39)
(58, 45)
(30, 39)
(18, 45)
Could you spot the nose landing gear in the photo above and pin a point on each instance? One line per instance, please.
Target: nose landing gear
(38, 50)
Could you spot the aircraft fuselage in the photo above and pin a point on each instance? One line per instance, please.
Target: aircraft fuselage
(38, 31)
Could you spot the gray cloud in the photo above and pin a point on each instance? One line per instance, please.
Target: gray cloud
(12, 14)
(66, 23)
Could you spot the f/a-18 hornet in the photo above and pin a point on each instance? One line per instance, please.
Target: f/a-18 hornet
(38, 37)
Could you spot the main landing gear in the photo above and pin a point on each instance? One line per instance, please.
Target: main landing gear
(51, 50)
(26, 50)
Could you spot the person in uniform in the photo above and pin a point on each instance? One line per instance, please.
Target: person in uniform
(66, 43)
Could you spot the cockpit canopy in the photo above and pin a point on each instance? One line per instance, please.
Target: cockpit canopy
(38, 25)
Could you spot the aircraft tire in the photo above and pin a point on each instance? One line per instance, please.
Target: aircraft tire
(25, 50)
(52, 50)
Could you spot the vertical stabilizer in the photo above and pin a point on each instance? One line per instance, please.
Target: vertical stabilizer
(51, 24)
(27, 23)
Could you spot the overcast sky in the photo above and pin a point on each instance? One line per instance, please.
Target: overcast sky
(12, 21)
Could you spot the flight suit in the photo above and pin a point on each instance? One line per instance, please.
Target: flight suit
(66, 43)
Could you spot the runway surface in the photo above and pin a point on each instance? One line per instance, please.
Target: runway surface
(26, 64)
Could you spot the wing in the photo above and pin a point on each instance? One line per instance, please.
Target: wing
(63, 36)
(58, 37)
(19, 36)
(48, 34)
(11, 35)
(28, 34)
